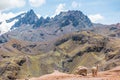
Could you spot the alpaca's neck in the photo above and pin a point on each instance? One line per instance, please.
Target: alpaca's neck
(97, 67)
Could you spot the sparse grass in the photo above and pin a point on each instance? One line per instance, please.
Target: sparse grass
(67, 57)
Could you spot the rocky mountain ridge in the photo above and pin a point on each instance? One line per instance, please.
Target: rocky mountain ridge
(29, 18)
(31, 28)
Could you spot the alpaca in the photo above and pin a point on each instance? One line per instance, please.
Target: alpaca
(81, 71)
(95, 71)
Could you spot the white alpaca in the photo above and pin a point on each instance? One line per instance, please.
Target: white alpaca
(95, 71)
(81, 71)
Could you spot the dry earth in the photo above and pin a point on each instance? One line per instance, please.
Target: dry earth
(113, 74)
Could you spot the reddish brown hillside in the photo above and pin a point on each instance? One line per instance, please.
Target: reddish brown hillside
(113, 74)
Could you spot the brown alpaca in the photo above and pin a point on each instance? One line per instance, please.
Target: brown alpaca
(81, 71)
(94, 71)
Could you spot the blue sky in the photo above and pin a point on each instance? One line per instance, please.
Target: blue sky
(99, 11)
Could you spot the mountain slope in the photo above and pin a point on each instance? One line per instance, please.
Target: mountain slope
(30, 28)
(112, 30)
(68, 52)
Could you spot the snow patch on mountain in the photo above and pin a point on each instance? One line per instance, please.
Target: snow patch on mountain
(5, 26)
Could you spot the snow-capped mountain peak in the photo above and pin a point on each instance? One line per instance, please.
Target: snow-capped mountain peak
(25, 18)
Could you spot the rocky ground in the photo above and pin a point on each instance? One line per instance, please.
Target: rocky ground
(113, 74)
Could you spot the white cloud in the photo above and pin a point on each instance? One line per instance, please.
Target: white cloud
(5, 4)
(6, 16)
(37, 3)
(60, 7)
(75, 4)
(96, 17)
(4, 26)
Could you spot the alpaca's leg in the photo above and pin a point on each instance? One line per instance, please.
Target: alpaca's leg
(96, 72)
(86, 72)
(93, 73)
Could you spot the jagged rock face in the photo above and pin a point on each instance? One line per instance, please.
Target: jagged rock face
(41, 22)
(30, 28)
(74, 18)
(29, 18)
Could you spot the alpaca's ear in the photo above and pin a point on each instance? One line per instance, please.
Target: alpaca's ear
(99, 65)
